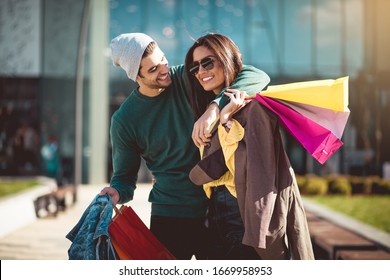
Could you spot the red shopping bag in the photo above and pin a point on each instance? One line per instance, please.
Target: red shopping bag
(132, 240)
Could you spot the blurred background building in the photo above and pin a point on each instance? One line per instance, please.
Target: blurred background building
(57, 80)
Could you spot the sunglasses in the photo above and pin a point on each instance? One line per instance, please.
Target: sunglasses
(207, 63)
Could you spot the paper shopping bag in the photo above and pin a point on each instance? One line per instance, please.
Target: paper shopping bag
(132, 240)
(319, 141)
(335, 121)
(328, 94)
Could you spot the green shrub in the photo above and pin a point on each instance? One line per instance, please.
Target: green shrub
(381, 187)
(385, 184)
(340, 185)
(301, 181)
(359, 186)
(315, 186)
(312, 184)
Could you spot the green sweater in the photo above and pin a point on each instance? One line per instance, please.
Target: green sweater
(159, 130)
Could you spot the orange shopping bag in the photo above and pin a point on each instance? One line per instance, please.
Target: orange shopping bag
(132, 240)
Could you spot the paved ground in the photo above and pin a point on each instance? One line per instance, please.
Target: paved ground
(45, 238)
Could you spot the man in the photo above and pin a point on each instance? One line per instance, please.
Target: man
(156, 122)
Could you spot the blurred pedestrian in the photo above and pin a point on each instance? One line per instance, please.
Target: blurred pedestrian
(50, 156)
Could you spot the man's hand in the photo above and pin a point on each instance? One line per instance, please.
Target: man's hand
(237, 101)
(202, 127)
(111, 192)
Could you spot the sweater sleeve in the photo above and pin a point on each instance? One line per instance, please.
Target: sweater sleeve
(126, 162)
(178, 75)
(250, 79)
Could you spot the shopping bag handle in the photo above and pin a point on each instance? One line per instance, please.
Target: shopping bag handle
(118, 211)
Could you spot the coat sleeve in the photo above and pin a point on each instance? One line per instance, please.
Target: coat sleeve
(256, 183)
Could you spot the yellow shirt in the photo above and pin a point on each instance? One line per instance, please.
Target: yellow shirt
(229, 143)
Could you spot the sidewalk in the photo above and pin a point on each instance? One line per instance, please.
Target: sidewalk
(45, 238)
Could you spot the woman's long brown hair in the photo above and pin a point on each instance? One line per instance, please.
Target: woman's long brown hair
(227, 53)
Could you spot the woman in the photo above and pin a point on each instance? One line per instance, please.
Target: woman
(255, 207)
(217, 55)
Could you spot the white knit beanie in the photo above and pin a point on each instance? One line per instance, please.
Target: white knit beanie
(127, 50)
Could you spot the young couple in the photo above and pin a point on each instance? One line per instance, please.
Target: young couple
(175, 110)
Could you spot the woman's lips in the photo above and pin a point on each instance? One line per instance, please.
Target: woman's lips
(206, 79)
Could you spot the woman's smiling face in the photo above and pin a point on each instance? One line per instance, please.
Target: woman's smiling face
(213, 79)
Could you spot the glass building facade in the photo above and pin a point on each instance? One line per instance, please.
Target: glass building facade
(285, 38)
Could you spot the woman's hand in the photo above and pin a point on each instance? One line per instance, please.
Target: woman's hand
(202, 127)
(237, 101)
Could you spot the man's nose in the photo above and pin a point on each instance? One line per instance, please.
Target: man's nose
(164, 67)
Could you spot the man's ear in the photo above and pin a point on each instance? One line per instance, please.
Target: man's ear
(138, 78)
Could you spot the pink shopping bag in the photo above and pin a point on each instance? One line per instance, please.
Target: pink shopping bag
(318, 140)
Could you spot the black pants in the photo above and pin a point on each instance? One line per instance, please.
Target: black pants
(226, 228)
(183, 237)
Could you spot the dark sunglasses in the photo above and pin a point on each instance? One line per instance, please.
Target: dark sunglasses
(207, 63)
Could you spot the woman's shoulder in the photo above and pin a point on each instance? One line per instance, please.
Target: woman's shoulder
(254, 110)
